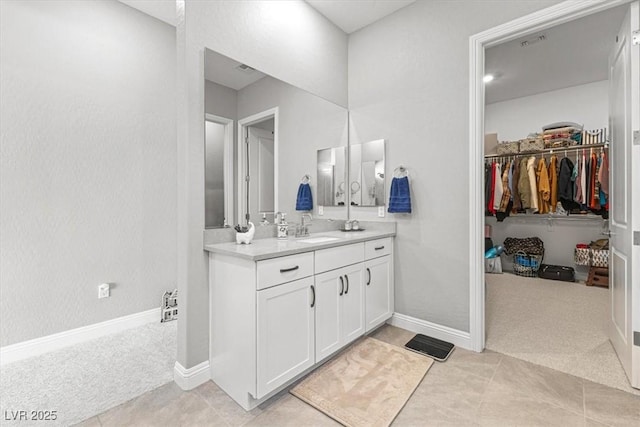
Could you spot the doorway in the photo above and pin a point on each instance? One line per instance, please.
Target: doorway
(548, 18)
(218, 171)
(258, 167)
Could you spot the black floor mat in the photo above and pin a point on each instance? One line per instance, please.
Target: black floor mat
(438, 349)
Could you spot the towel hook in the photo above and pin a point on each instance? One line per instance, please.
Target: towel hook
(400, 172)
(305, 179)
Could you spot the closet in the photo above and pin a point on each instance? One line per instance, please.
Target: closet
(553, 188)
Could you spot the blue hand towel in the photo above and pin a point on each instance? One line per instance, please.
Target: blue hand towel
(400, 198)
(304, 201)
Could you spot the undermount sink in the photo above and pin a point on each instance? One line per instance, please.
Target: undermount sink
(319, 239)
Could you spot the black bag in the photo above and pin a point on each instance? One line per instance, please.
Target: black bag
(557, 272)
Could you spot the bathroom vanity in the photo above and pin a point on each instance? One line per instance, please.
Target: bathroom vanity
(279, 308)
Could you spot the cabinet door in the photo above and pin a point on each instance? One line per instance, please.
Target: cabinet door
(352, 310)
(378, 291)
(285, 333)
(328, 288)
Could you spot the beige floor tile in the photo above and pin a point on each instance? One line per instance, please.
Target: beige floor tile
(167, 405)
(502, 407)
(91, 422)
(450, 388)
(588, 422)
(482, 364)
(392, 335)
(228, 409)
(610, 406)
(541, 383)
(424, 413)
(291, 411)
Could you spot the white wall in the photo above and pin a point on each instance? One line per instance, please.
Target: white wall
(288, 40)
(408, 84)
(87, 164)
(584, 104)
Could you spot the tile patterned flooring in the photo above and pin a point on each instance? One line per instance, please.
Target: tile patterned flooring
(470, 389)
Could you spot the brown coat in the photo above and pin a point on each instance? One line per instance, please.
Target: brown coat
(542, 184)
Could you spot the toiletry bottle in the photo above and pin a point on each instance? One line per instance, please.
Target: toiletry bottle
(283, 227)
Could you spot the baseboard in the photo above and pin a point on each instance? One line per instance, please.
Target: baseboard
(454, 336)
(35, 347)
(188, 379)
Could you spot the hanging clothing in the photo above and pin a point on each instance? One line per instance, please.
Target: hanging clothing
(531, 171)
(583, 182)
(524, 188)
(497, 194)
(506, 193)
(493, 189)
(544, 190)
(594, 203)
(565, 185)
(517, 202)
(553, 183)
(577, 176)
(487, 188)
(510, 179)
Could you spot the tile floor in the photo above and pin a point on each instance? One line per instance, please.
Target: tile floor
(470, 389)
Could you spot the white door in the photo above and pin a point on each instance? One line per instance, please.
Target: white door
(261, 172)
(352, 304)
(624, 116)
(377, 276)
(329, 291)
(285, 333)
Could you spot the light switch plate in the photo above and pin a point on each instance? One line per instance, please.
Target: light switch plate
(320, 210)
(381, 211)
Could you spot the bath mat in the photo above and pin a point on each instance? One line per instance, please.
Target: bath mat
(366, 385)
(433, 347)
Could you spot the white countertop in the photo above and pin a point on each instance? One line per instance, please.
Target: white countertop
(272, 247)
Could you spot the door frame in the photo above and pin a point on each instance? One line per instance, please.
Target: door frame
(227, 163)
(537, 21)
(243, 124)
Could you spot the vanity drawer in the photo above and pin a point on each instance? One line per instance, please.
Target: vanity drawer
(332, 258)
(377, 248)
(275, 271)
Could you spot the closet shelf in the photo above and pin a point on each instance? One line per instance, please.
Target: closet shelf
(549, 151)
(574, 217)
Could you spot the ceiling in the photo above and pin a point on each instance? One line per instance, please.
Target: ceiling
(224, 71)
(351, 15)
(164, 10)
(348, 15)
(572, 54)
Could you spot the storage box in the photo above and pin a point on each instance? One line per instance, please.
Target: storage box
(528, 145)
(491, 143)
(506, 147)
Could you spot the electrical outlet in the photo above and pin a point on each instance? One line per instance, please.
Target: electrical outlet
(103, 290)
(320, 210)
(381, 211)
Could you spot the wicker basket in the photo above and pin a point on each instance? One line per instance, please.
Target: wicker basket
(591, 257)
(526, 265)
(529, 145)
(508, 147)
(582, 256)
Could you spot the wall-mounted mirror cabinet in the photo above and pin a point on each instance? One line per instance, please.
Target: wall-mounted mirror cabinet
(261, 136)
(332, 177)
(367, 173)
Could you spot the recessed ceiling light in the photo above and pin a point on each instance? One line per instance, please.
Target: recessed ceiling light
(487, 78)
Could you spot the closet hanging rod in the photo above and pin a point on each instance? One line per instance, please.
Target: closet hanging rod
(549, 150)
(572, 217)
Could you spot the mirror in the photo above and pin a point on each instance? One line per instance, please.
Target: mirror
(261, 137)
(366, 174)
(331, 177)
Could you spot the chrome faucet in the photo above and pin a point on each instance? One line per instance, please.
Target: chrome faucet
(304, 225)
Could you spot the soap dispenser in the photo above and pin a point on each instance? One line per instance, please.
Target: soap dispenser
(283, 227)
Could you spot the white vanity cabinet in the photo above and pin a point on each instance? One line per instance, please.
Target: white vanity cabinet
(272, 320)
(378, 277)
(339, 309)
(285, 333)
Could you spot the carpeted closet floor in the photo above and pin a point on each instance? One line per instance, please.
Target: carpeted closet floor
(556, 324)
